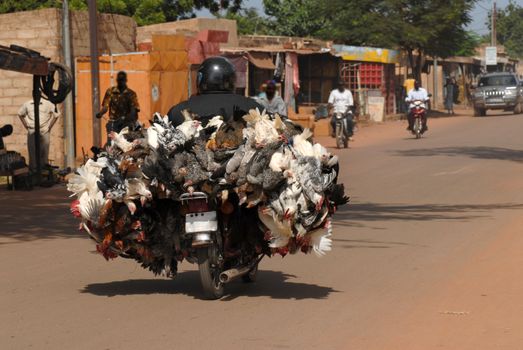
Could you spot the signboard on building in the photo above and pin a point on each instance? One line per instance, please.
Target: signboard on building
(376, 108)
(367, 54)
(491, 56)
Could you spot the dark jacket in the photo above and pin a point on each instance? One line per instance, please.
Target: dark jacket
(208, 106)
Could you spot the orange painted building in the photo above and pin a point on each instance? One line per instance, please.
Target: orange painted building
(160, 79)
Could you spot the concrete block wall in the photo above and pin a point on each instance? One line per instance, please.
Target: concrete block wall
(192, 27)
(116, 33)
(41, 30)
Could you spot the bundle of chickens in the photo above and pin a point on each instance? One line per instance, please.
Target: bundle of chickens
(11, 160)
(274, 189)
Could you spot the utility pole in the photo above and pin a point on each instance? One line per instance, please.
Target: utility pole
(435, 87)
(95, 78)
(68, 103)
(493, 39)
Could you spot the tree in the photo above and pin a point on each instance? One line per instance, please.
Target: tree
(509, 29)
(143, 11)
(427, 27)
(357, 23)
(8, 6)
(469, 44)
(302, 18)
(248, 21)
(420, 27)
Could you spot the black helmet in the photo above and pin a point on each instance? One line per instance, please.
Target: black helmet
(6, 130)
(216, 74)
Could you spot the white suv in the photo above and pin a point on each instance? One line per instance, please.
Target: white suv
(498, 91)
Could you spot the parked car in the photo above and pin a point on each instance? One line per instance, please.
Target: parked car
(501, 91)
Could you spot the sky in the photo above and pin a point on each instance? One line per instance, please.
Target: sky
(479, 14)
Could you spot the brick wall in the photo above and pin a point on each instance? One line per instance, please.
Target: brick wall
(190, 27)
(41, 30)
(116, 33)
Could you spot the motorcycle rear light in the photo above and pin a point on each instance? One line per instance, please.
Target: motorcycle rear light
(197, 205)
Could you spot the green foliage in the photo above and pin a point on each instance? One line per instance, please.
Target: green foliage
(357, 23)
(300, 18)
(469, 44)
(510, 29)
(432, 27)
(143, 11)
(7, 6)
(149, 12)
(248, 21)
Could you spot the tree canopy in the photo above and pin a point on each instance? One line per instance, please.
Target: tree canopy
(431, 27)
(296, 17)
(420, 27)
(248, 21)
(143, 11)
(509, 29)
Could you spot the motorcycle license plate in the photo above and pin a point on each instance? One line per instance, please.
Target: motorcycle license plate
(201, 222)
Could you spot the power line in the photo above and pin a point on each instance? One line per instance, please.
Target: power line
(484, 8)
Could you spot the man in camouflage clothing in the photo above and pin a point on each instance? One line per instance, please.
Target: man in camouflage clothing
(122, 105)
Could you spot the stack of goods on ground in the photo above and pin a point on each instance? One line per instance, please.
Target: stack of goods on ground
(9, 160)
(274, 190)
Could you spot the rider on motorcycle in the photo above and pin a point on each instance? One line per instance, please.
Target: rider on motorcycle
(417, 94)
(216, 81)
(341, 101)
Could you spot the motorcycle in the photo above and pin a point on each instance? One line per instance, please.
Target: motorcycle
(208, 231)
(418, 111)
(342, 128)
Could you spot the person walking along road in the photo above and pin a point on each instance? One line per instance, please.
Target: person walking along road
(122, 105)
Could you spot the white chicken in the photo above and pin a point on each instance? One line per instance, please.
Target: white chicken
(137, 189)
(301, 144)
(281, 231)
(90, 206)
(85, 180)
(321, 240)
(155, 130)
(119, 140)
(264, 129)
(190, 127)
(281, 160)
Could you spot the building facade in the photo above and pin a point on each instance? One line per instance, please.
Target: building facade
(41, 30)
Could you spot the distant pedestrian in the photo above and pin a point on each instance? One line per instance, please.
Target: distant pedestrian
(122, 105)
(450, 88)
(48, 116)
(272, 102)
(409, 83)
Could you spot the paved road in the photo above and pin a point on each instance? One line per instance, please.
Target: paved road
(428, 255)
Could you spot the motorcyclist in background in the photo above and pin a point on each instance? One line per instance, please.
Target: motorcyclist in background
(341, 101)
(417, 94)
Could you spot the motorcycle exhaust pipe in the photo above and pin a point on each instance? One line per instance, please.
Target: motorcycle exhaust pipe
(232, 274)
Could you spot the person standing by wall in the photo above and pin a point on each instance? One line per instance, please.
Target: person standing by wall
(272, 102)
(449, 95)
(122, 105)
(48, 117)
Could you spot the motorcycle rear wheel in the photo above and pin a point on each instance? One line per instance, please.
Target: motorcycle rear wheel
(417, 128)
(209, 275)
(341, 139)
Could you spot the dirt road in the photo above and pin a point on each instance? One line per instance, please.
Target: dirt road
(427, 256)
